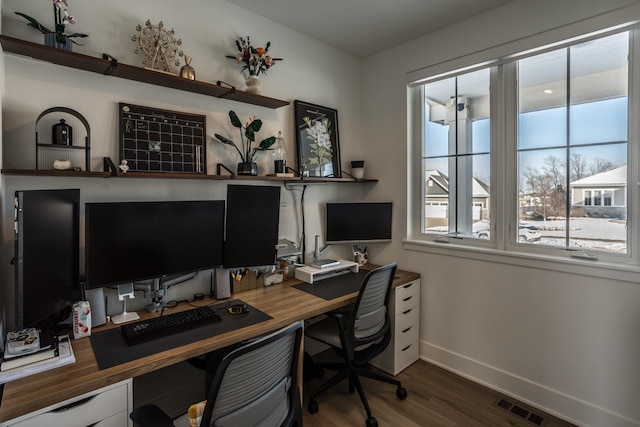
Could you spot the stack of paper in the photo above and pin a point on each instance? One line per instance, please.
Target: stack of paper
(59, 354)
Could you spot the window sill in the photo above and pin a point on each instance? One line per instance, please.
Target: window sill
(591, 268)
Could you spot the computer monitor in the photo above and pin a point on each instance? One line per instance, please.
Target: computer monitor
(253, 214)
(133, 241)
(356, 222)
(46, 257)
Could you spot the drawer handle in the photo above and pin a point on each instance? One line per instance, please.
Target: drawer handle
(407, 298)
(407, 330)
(407, 347)
(74, 404)
(409, 285)
(408, 311)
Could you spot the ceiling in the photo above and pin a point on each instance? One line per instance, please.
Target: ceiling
(365, 27)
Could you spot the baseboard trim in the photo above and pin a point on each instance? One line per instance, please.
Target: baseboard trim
(539, 396)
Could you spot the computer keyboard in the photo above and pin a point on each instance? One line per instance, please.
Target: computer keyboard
(168, 324)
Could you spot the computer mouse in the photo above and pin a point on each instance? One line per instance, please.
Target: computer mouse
(238, 309)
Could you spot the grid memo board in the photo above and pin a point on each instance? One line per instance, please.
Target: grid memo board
(154, 140)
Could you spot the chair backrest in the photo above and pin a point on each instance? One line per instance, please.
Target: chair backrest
(369, 330)
(256, 384)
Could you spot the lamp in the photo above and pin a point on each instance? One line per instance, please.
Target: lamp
(280, 155)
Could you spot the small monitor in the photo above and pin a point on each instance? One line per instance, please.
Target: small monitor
(355, 222)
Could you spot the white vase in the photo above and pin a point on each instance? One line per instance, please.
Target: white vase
(254, 85)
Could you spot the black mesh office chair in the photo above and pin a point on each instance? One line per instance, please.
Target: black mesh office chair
(255, 385)
(357, 337)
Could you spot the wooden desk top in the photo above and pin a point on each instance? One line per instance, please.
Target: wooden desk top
(282, 302)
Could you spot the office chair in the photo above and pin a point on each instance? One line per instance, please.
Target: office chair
(357, 337)
(255, 385)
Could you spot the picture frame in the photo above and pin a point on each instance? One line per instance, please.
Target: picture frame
(317, 140)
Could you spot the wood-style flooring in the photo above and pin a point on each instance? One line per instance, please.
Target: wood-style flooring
(436, 398)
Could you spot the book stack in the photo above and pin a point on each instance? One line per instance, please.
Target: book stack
(27, 354)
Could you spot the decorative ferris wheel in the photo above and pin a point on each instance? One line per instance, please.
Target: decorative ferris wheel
(158, 45)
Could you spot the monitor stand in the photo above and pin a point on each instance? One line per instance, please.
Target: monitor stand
(321, 263)
(125, 292)
(324, 263)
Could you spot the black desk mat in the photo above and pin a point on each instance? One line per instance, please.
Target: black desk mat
(334, 287)
(111, 349)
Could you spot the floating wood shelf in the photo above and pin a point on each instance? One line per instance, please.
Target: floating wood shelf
(165, 175)
(109, 66)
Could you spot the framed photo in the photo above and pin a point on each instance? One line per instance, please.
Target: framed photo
(317, 140)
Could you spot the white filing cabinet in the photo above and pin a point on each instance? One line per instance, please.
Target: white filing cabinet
(107, 407)
(404, 348)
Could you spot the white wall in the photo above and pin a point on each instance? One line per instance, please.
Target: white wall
(311, 71)
(565, 342)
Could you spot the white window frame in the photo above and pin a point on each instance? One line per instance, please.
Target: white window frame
(505, 203)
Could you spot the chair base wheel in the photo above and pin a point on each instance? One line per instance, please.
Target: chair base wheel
(372, 422)
(312, 407)
(401, 393)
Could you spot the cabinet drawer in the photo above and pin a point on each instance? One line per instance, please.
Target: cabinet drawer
(407, 318)
(406, 356)
(406, 336)
(82, 412)
(407, 296)
(117, 420)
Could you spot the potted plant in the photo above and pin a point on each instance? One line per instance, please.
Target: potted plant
(247, 152)
(254, 60)
(57, 37)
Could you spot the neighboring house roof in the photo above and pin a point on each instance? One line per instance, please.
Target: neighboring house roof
(611, 178)
(480, 189)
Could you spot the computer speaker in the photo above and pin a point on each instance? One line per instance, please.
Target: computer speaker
(222, 283)
(98, 306)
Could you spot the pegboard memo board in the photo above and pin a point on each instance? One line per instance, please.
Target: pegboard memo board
(154, 140)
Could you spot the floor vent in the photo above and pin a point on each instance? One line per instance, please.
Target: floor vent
(521, 412)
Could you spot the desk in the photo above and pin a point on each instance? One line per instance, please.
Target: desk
(282, 302)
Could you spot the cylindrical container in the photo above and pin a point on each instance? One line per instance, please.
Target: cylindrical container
(357, 169)
(62, 133)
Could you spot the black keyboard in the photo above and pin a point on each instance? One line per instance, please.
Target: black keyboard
(168, 324)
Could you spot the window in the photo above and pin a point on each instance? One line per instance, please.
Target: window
(572, 133)
(542, 140)
(457, 155)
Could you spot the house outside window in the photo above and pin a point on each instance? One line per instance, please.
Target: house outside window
(551, 130)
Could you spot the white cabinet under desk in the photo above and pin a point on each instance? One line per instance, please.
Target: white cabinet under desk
(106, 407)
(404, 348)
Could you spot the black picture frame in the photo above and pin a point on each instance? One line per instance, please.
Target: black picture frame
(318, 156)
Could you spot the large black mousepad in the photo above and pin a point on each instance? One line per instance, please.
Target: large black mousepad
(111, 349)
(334, 287)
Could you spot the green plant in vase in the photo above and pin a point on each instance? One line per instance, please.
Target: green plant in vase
(246, 150)
(56, 37)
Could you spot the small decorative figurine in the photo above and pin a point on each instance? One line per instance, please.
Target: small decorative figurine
(187, 71)
(158, 45)
(123, 166)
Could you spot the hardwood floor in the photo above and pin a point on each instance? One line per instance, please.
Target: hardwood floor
(436, 398)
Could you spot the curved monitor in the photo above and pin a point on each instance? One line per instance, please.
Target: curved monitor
(131, 241)
(355, 222)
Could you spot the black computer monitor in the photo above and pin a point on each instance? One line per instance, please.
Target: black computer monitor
(131, 241)
(356, 222)
(46, 258)
(253, 213)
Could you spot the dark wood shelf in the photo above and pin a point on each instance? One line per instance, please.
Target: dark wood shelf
(53, 172)
(165, 175)
(116, 69)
